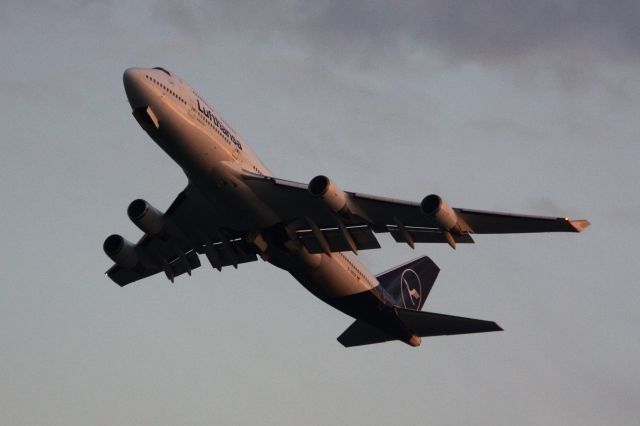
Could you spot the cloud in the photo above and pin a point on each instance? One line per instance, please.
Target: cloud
(491, 32)
(488, 32)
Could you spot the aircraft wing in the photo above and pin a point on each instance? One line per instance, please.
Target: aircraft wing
(189, 227)
(486, 222)
(405, 220)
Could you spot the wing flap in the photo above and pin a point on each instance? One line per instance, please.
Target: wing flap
(176, 267)
(232, 253)
(428, 235)
(362, 237)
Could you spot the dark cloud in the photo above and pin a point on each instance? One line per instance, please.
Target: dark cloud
(488, 32)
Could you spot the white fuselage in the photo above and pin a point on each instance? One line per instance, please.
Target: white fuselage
(214, 156)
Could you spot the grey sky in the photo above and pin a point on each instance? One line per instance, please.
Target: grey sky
(514, 106)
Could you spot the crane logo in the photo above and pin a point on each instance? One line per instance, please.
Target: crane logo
(410, 289)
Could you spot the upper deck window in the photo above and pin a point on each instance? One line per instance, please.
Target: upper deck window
(163, 70)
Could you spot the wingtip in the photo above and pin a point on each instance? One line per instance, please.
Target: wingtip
(580, 225)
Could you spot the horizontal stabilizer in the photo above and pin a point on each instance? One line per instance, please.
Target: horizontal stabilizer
(426, 324)
(360, 333)
(418, 323)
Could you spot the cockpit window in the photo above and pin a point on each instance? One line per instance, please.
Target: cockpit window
(163, 70)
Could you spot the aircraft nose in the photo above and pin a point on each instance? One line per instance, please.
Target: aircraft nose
(133, 79)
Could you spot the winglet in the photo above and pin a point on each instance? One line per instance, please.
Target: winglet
(580, 225)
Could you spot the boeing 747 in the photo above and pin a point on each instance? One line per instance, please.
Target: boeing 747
(234, 210)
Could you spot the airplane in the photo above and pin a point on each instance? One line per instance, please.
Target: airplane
(234, 210)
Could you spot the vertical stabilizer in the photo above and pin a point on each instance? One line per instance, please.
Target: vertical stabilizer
(408, 285)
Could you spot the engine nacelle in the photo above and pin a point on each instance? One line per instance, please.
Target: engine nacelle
(121, 251)
(146, 217)
(435, 207)
(335, 198)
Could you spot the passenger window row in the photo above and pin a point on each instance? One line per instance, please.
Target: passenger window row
(174, 94)
(354, 268)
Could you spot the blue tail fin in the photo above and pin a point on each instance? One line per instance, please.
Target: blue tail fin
(408, 285)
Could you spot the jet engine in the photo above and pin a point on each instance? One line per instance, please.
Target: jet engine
(121, 251)
(335, 198)
(146, 217)
(435, 207)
